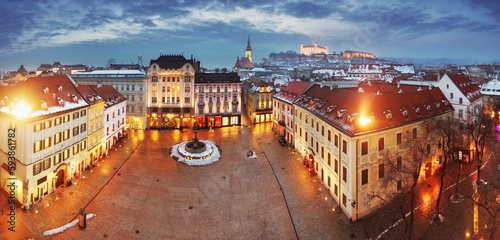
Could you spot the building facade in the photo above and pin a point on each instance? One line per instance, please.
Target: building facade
(491, 98)
(114, 117)
(49, 118)
(217, 99)
(171, 92)
(95, 132)
(132, 84)
(348, 136)
(283, 109)
(257, 98)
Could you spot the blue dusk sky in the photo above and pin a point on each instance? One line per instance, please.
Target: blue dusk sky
(215, 31)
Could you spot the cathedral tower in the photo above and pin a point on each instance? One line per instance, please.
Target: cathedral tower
(248, 51)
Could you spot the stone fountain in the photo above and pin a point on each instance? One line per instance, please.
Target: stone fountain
(196, 151)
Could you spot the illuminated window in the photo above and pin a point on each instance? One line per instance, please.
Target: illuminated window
(57, 121)
(66, 154)
(37, 127)
(76, 149)
(57, 158)
(66, 134)
(47, 124)
(47, 142)
(84, 145)
(66, 118)
(57, 138)
(37, 146)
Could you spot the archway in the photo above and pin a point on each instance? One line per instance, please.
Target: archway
(61, 177)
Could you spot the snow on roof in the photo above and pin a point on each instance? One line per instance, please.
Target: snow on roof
(38, 96)
(111, 72)
(491, 88)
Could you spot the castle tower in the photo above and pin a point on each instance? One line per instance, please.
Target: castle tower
(248, 51)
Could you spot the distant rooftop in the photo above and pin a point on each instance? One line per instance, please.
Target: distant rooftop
(110, 73)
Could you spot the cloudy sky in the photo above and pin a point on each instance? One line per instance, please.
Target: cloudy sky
(215, 31)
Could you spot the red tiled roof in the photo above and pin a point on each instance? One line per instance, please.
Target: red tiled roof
(88, 93)
(466, 86)
(109, 94)
(243, 63)
(44, 95)
(431, 77)
(330, 104)
(291, 92)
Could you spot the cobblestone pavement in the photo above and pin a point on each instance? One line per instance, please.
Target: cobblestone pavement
(140, 192)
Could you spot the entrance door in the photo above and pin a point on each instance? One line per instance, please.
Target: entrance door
(60, 178)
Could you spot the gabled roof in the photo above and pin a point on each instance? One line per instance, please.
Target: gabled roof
(39, 96)
(230, 77)
(109, 94)
(89, 94)
(491, 88)
(293, 91)
(171, 61)
(466, 86)
(343, 107)
(243, 63)
(255, 85)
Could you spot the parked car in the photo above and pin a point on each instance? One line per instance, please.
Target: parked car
(282, 141)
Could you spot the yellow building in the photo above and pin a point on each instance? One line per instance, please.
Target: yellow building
(95, 116)
(46, 145)
(351, 136)
(258, 100)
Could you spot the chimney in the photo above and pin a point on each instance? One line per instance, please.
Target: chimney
(430, 86)
(399, 84)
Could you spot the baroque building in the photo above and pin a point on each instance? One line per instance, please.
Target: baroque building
(350, 137)
(217, 99)
(170, 88)
(49, 118)
(257, 98)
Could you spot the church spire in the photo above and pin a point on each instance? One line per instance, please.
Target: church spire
(248, 45)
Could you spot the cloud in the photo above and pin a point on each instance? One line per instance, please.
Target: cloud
(54, 23)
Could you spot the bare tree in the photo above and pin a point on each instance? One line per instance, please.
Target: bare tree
(405, 172)
(481, 130)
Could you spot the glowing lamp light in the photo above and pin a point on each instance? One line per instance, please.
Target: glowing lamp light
(364, 120)
(467, 234)
(22, 110)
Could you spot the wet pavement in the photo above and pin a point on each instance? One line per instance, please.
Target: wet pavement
(140, 192)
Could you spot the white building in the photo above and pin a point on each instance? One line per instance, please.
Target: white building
(171, 92)
(217, 99)
(49, 118)
(114, 114)
(132, 84)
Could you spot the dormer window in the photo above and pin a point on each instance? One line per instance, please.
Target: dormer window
(417, 110)
(330, 108)
(46, 89)
(360, 89)
(352, 117)
(438, 105)
(43, 104)
(2, 102)
(428, 107)
(59, 88)
(419, 89)
(400, 90)
(60, 101)
(75, 98)
(341, 113)
(388, 114)
(404, 112)
(445, 102)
